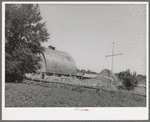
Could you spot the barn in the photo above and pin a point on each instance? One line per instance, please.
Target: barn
(57, 63)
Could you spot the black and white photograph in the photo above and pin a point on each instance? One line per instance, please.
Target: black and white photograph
(87, 60)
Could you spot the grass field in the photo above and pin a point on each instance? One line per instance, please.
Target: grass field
(55, 95)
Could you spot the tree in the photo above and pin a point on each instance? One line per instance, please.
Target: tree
(24, 33)
(129, 79)
(82, 71)
(88, 71)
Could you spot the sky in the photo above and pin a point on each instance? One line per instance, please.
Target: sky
(87, 32)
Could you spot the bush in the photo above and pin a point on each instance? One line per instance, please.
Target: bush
(12, 78)
(129, 80)
(120, 87)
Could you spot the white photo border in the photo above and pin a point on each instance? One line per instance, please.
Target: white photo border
(70, 113)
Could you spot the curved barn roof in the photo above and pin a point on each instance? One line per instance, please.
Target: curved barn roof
(58, 62)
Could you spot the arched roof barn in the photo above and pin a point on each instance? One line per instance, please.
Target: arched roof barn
(58, 62)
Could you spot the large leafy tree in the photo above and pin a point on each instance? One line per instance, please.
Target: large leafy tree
(24, 33)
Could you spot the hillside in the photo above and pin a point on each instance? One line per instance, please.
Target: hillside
(38, 94)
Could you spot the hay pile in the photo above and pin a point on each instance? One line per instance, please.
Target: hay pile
(107, 74)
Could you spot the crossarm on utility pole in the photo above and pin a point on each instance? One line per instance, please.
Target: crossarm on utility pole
(113, 55)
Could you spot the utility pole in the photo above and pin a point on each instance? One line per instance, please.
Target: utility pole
(113, 55)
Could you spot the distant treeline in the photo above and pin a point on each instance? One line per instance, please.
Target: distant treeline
(139, 77)
(84, 71)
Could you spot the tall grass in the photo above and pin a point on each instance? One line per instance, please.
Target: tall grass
(52, 95)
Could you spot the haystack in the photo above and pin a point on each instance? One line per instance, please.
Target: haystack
(57, 62)
(107, 74)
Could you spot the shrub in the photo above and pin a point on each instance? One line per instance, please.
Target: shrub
(120, 87)
(14, 78)
(129, 80)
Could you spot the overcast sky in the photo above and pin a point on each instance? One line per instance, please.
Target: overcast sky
(87, 31)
